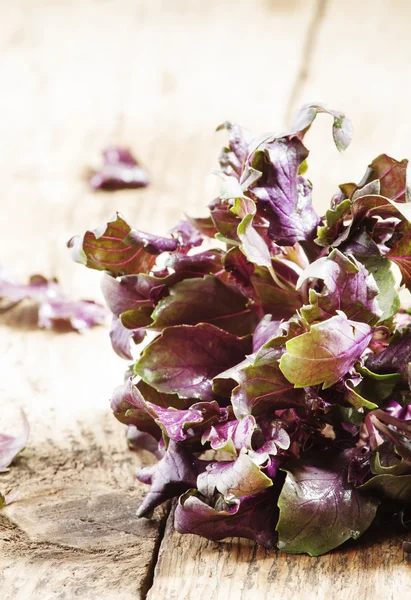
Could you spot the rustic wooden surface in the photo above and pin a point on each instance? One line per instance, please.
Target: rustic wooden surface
(159, 76)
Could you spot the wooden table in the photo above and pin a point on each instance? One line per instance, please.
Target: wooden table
(159, 76)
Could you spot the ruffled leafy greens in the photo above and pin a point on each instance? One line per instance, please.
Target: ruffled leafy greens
(276, 339)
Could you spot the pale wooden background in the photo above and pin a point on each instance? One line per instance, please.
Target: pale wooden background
(159, 76)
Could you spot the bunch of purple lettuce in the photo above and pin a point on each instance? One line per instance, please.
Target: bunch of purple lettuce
(275, 339)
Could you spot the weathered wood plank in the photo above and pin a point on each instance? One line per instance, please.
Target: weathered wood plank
(189, 566)
(73, 530)
(77, 75)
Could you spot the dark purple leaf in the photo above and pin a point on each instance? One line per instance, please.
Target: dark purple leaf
(187, 234)
(55, 311)
(153, 244)
(121, 338)
(239, 268)
(205, 300)
(319, 509)
(38, 288)
(130, 408)
(139, 440)
(226, 381)
(231, 436)
(77, 315)
(347, 286)
(183, 423)
(253, 517)
(400, 252)
(130, 293)
(161, 399)
(185, 358)
(391, 175)
(263, 387)
(119, 171)
(225, 221)
(196, 265)
(285, 195)
(280, 302)
(395, 358)
(205, 225)
(173, 475)
(233, 157)
(265, 330)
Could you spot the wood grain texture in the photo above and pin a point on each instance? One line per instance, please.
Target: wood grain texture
(373, 569)
(158, 76)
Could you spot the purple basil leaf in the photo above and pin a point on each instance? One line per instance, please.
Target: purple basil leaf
(347, 286)
(395, 358)
(395, 487)
(282, 303)
(130, 293)
(119, 171)
(284, 195)
(187, 234)
(130, 408)
(400, 252)
(265, 330)
(225, 221)
(185, 358)
(361, 245)
(173, 475)
(153, 244)
(205, 225)
(264, 388)
(342, 126)
(55, 311)
(196, 265)
(319, 509)
(233, 479)
(104, 249)
(391, 175)
(121, 338)
(240, 269)
(233, 157)
(180, 424)
(226, 381)
(139, 440)
(77, 315)
(12, 445)
(334, 229)
(161, 399)
(325, 353)
(231, 436)
(39, 288)
(205, 300)
(253, 517)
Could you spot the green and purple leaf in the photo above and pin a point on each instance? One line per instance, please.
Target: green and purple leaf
(325, 353)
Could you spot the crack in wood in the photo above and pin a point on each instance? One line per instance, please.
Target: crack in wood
(306, 59)
(148, 582)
